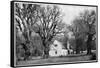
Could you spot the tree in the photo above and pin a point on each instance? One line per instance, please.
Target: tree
(78, 28)
(49, 25)
(89, 18)
(25, 17)
(44, 20)
(83, 27)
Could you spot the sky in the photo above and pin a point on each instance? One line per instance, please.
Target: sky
(70, 12)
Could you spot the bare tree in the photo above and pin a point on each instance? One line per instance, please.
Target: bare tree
(49, 24)
(44, 20)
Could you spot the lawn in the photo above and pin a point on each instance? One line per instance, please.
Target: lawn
(51, 60)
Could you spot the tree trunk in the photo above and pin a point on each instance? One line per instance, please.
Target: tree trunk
(89, 44)
(77, 51)
(46, 50)
(78, 43)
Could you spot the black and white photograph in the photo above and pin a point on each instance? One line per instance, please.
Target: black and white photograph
(53, 33)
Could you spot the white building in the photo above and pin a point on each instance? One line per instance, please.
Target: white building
(57, 49)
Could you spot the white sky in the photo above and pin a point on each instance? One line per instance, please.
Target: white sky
(70, 12)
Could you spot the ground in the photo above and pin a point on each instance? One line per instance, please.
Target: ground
(55, 60)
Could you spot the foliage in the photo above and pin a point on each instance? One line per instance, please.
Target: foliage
(83, 29)
(89, 18)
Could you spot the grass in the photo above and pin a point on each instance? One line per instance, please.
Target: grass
(69, 58)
